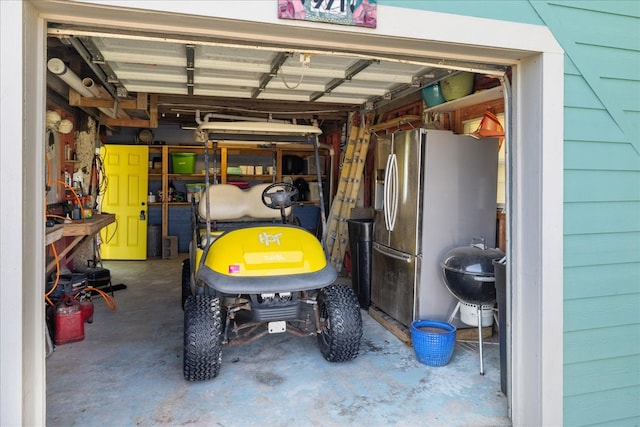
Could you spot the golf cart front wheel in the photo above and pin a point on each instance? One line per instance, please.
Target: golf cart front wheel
(341, 323)
(202, 355)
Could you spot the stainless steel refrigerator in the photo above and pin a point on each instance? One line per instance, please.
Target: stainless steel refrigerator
(434, 191)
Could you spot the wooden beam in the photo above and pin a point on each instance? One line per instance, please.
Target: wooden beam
(141, 101)
(398, 121)
(135, 123)
(392, 325)
(76, 100)
(153, 112)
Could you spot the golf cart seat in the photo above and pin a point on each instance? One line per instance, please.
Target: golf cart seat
(228, 202)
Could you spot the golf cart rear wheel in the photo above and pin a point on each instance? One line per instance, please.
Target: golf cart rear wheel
(202, 338)
(341, 323)
(186, 281)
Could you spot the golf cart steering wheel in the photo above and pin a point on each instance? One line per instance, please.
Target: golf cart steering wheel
(279, 195)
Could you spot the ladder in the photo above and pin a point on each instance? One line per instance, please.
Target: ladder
(337, 237)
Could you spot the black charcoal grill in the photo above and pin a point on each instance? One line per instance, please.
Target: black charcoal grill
(468, 274)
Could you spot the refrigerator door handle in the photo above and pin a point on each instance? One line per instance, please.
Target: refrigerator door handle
(394, 192)
(391, 192)
(392, 253)
(386, 201)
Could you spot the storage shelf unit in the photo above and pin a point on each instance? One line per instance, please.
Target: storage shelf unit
(468, 101)
(224, 156)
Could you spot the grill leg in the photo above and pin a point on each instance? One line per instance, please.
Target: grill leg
(480, 338)
(454, 312)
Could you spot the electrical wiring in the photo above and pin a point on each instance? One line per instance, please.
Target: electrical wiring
(100, 190)
(108, 299)
(102, 176)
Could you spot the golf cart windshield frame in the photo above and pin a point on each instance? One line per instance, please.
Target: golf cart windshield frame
(265, 135)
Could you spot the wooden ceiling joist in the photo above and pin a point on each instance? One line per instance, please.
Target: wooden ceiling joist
(140, 103)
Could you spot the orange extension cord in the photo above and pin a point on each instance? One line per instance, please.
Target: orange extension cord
(108, 299)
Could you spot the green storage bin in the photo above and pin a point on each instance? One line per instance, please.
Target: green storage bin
(183, 162)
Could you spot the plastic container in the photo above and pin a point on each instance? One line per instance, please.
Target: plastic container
(310, 164)
(432, 95)
(183, 162)
(69, 321)
(193, 190)
(457, 86)
(433, 341)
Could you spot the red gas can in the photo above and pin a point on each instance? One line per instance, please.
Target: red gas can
(86, 307)
(69, 321)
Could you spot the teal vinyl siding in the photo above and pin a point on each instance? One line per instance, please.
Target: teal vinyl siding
(600, 185)
(596, 217)
(601, 209)
(590, 313)
(504, 10)
(601, 40)
(600, 280)
(616, 407)
(608, 374)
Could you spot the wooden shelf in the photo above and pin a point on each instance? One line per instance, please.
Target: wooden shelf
(467, 101)
(81, 231)
(305, 177)
(187, 176)
(53, 234)
(221, 154)
(89, 226)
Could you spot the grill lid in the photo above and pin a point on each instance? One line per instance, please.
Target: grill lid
(474, 259)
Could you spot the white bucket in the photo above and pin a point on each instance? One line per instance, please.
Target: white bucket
(469, 314)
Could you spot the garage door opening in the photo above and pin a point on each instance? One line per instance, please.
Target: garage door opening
(526, 163)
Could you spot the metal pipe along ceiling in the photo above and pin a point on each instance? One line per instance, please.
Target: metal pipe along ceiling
(57, 67)
(85, 87)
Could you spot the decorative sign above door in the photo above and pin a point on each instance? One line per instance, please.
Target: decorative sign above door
(361, 13)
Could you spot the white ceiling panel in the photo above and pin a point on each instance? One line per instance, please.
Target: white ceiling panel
(170, 65)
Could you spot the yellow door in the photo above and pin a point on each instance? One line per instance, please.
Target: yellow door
(126, 168)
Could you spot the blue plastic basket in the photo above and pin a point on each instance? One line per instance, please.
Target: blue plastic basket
(433, 347)
(432, 95)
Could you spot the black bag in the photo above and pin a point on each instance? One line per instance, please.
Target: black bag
(96, 277)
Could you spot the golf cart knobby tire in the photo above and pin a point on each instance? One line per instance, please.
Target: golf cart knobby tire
(340, 335)
(186, 281)
(202, 338)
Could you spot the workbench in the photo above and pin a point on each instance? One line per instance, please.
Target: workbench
(81, 231)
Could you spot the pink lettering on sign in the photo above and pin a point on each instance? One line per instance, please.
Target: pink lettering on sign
(235, 268)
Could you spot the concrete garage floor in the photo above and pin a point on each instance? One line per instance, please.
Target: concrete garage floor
(128, 371)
